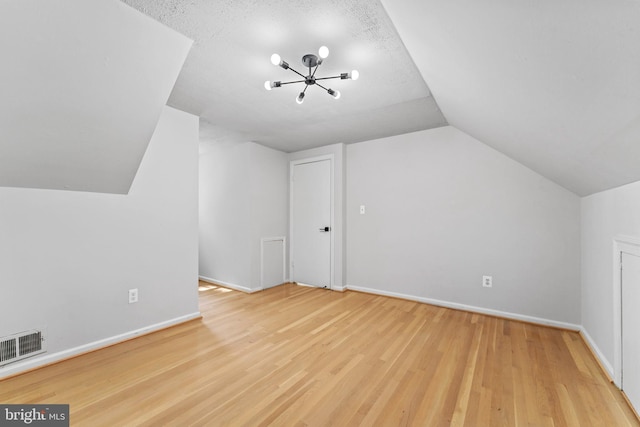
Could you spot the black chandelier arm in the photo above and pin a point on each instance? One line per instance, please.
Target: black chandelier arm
(320, 86)
(327, 78)
(314, 70)
(300, 74)
(295, 81)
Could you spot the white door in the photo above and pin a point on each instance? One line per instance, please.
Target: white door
(311, 223)
(631, 328)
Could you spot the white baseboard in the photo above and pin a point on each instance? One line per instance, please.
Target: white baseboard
(48, 359)
(228, 285)
(481, 310)
(597, 353)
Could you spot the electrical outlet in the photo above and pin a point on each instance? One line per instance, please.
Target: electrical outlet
(133, 296)
(361, 209)
(487, 281)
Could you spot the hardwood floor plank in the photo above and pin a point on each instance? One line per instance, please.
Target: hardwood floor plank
(298, 356)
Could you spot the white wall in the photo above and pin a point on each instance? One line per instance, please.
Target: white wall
(605, 215)
(224, 214)
(243, 198)
(339, 195)
(443, 209)
(67, 259)
(87, 86)
(269, 201)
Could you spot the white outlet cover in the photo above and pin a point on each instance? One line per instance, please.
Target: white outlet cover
(133, 296)
(487, 281)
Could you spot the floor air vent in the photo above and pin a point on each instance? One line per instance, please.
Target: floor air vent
(19, 346)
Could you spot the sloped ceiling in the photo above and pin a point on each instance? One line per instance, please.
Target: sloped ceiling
(223, 76)
(83, 84)
(554, 85)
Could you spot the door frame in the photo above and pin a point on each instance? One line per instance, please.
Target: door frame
(332, 251)
(629, 245)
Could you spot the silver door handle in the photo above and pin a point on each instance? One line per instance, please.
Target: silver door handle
(325, 229)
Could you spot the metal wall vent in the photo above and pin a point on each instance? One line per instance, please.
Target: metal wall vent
(19, 346)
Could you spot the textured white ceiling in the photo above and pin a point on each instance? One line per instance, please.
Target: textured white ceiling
(223, 76)
(553, 84)
(83, 84)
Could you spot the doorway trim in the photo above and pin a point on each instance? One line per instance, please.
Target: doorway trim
(629, 245)
(292, 164)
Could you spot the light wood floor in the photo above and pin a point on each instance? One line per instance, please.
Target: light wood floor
(297, 356)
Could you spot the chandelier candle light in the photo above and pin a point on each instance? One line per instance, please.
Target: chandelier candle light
(312, 62)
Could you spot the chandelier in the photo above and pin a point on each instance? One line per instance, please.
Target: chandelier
(311, 62)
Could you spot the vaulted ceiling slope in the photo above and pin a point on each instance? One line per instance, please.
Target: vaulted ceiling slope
(554, 85)
(223, 76)
(83, 84)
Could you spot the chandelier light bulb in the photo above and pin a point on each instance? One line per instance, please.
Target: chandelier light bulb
(275, 59)
(334, 93)
(323, 52)
(355, 74)
(300, 98)
(267, 85)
